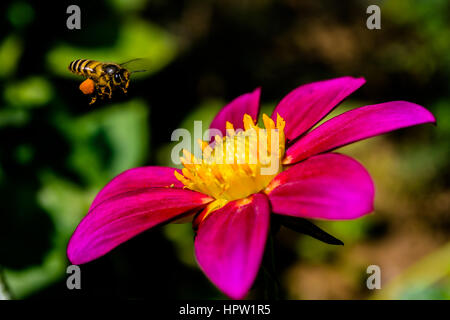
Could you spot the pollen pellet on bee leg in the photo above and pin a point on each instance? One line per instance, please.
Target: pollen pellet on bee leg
(87, 86)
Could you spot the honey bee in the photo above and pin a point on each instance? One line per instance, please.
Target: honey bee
(102, 78)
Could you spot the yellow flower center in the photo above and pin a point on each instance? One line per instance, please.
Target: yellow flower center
(238, 165)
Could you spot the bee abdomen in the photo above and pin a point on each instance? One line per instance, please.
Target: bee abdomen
(83, 67)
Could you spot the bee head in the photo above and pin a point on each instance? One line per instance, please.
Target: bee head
(121, 77)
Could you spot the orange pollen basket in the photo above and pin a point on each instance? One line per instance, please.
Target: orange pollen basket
(87, 86)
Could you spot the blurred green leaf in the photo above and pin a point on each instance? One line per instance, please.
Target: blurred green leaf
(108, 141)
(32, 92)
(128, 5)
(434, 292)
(349, 231)
(24, 153)
(13, 117)
(11, 49)
(20, 14)
(23, 283)
(424, 51)
(442, 113)
(182, 236)
(429, 278)
(54, 196)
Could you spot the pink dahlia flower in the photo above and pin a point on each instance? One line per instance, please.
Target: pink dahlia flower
(232, 203)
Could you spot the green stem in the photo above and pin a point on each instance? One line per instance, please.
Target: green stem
(271, 283)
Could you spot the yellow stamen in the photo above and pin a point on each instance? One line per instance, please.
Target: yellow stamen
(248, 122)
(272, 185)
(203, 144)
(268, 122)
(229, 128)
(212, 206)
(240, 164)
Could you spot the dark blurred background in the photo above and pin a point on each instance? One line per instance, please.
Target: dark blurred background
(57, 152)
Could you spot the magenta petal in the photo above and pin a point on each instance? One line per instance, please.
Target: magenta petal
(357, 124)
(303, 107)
(137, 178)
(234, 111)
(230, 244)
(328, 186)
(123, 216)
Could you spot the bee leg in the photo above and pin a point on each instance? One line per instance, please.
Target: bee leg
(102, 91)
(125, 87)
(108, 85)
(94, 98)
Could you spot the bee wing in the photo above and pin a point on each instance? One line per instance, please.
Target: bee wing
(137, 65)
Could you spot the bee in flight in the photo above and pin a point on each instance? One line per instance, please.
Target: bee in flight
(102, 78)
